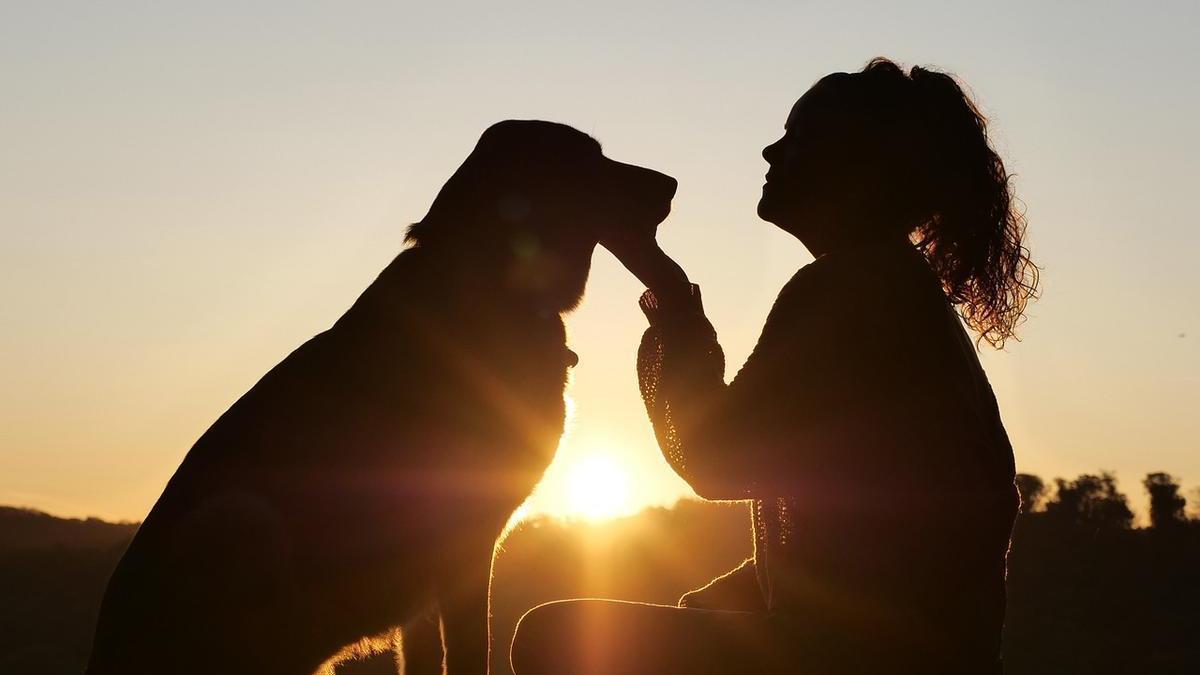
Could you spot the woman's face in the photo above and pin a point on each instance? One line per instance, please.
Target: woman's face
(793, 160)
(821, 169)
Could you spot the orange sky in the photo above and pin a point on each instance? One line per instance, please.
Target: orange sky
(190, 193)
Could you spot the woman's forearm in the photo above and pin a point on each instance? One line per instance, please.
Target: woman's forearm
(681, 374)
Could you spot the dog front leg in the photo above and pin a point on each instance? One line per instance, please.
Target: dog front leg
(465, 623)
(421, 645)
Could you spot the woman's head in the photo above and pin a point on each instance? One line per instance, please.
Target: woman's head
(886, 154)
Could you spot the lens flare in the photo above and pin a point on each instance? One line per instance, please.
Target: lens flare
(599, 488)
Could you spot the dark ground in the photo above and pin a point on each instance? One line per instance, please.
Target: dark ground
(1087, 592)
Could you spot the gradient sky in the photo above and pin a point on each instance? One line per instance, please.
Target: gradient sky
(188, 191)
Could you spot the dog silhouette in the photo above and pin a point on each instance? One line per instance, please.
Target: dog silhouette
(361, 484)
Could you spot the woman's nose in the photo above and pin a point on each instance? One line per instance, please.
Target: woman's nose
(769, 151)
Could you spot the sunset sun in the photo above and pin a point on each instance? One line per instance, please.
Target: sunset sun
(598, 488)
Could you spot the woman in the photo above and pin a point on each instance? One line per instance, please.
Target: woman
(862, 426)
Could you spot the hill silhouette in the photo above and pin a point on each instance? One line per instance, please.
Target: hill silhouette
(1088, 592)
(52, 574)
(29, 529)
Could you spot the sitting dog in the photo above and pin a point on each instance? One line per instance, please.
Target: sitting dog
(361, 484)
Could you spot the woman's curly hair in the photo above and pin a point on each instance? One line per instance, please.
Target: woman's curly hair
(968, 222)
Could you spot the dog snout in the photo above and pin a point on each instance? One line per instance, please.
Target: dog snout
(658, 186)
(649, 185)
(670, 185)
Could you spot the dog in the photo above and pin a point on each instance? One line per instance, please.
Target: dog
(362, 483)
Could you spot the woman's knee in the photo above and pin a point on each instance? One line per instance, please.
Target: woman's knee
(736, 590)
(540, 639)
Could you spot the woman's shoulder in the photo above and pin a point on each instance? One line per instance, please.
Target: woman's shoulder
(877, 273)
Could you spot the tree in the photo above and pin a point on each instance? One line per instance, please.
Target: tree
(1166, 504)
(1091, 501)
(1032, 491)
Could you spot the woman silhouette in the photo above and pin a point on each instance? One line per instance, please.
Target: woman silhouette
(862, 426)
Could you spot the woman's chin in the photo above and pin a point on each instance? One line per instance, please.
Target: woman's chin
(764, 209)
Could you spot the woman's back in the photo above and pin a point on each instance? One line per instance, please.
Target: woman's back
(897, 522)
(867, 436)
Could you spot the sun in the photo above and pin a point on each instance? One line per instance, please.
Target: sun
(598, 488)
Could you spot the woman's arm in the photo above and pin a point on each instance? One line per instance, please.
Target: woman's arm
(681, 374)
(811, 402)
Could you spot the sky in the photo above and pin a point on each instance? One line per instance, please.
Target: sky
(189, 191)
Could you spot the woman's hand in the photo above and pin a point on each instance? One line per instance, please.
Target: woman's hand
(641, 255)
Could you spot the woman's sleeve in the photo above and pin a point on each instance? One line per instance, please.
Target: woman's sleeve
(699, 421)
(810, 409)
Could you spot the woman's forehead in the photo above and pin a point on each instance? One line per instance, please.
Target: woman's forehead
(815, 99)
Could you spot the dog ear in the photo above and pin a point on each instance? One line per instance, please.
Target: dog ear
(466, 198)
(514, 206)
(515, 165)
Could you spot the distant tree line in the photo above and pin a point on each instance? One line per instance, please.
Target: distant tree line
(1089, 593)
(1093, 500)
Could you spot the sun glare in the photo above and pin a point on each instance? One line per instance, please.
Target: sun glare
(599, 488)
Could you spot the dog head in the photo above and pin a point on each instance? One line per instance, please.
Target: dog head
(531, 202)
